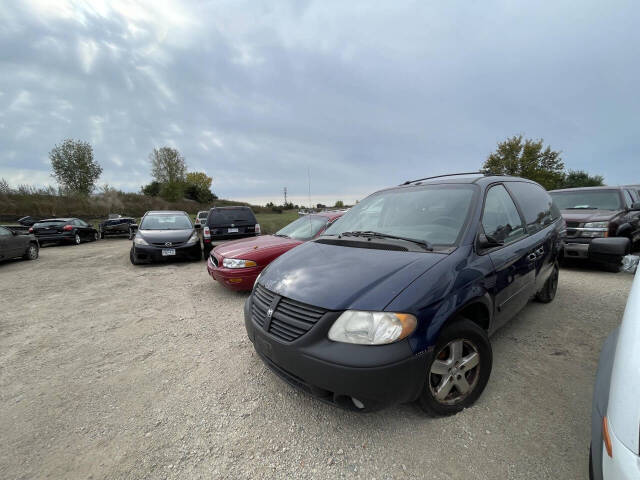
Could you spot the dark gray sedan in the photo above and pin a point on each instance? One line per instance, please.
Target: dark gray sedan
(13, 245)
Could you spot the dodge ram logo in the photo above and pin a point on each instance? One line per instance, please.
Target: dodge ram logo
(269, 312)
(167, 244)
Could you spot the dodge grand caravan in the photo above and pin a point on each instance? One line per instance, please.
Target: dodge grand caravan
(395, 302)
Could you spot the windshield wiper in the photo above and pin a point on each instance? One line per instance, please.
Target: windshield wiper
(370, 234)
(582, 207)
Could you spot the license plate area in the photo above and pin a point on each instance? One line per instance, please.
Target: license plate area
(167, 252)
(232, 230)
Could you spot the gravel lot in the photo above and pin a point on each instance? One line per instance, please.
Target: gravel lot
(114, 371)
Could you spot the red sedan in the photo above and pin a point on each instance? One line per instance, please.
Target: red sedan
(237, 264)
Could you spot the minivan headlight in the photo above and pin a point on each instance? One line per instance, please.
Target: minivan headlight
(193, 238)
(138, 240)
(237, 263)
(372, 328)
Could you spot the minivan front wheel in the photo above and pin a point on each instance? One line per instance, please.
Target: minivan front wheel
(459, 369)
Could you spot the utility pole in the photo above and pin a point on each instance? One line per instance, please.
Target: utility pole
(285, 196)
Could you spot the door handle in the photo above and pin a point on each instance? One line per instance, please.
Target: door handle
(531, 257)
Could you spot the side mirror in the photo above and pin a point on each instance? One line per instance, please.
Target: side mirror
(485, 242)
(635, 206)
(197, 226)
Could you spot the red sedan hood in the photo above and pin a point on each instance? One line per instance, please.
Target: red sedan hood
(255, 247)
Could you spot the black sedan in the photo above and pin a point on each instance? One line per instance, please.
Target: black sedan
(64, 230)
(13, 245)
(165, 235)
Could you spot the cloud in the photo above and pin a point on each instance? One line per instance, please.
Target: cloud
(257, 93)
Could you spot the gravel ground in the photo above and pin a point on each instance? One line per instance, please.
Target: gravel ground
(114, 371)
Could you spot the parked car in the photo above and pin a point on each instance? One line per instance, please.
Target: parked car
(594, 213)
(229, 223)
(398, 305)
(201, 217)
(28, 221)
(64, 230)
(614, 453)
(116, 226)
(237, 264)
(165, 235)
(13, 245)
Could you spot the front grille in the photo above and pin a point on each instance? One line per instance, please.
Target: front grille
(290, 319)
(214, 260)
(162, 244)
(573, 224)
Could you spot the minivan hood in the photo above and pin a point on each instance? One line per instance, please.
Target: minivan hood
(338, 278)
(173, 236)
(583, 216)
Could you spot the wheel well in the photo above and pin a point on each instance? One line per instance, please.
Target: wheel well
(478, 313)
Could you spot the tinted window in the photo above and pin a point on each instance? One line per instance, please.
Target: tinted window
(304, 228)
(536, 204)
(226, 216)
(628, 198)
(166, 222)
(4, 232)
(500, 218)
(50, 223)
(435, 213)
(203, 214)
(587, 200)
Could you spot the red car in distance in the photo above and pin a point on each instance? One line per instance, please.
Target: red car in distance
(237, 264)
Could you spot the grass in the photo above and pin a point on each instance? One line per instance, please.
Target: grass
(272, 222)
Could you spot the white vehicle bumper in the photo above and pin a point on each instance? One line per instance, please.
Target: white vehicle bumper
(625, 465)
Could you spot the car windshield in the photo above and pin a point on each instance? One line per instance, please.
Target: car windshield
(304, 228)
(166, 222)
(587, 200)
(432, 213)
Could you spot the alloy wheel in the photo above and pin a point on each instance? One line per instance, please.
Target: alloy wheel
(455, 371)
(77, 239)
(33, 252)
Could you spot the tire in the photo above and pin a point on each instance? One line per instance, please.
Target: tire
(548, 292)
(77, 240)
(96, 236)
(101, 235)
(32, 252)
(132, 258)
(614, 266)
(462, 343)
(131, 235)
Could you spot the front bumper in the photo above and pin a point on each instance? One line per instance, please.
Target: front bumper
(335, 372)
(150, 253)
(240, 279)
(600, 250)
(625, 464)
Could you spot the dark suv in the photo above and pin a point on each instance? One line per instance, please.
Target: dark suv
(395, 302)
(229, 223)
(603, 223)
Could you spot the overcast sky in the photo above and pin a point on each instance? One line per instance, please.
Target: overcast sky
(362, 94)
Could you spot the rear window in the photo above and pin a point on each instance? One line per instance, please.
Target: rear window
(231, 215)
(203, 215)
(50, 223)
(536, 204)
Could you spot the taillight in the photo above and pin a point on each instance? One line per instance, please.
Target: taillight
(67, 228)
(30, 229)
(258, 228)
(207, 234)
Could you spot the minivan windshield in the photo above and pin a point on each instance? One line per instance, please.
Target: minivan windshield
(166, 222)
(435, 214)
(587, 200)
(304, 228)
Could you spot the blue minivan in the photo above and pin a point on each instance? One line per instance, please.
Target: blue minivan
(396, 301)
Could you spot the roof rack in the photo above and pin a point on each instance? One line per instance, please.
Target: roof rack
(408, 182)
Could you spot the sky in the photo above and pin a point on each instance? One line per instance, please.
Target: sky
(356, 96)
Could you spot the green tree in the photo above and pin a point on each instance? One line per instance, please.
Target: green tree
(74, 167)
(152, 189)
(580, 178)
(527, 159)
(169, 169)
(198, 187)
(339, 204)
(4, 186)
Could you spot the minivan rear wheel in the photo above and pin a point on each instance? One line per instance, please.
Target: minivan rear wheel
(548, 292)
(459, 369)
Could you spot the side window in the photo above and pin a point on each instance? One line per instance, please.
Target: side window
(628, 198)
(80, 223)
(4, 232)
(537, 206)
(500, 218)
